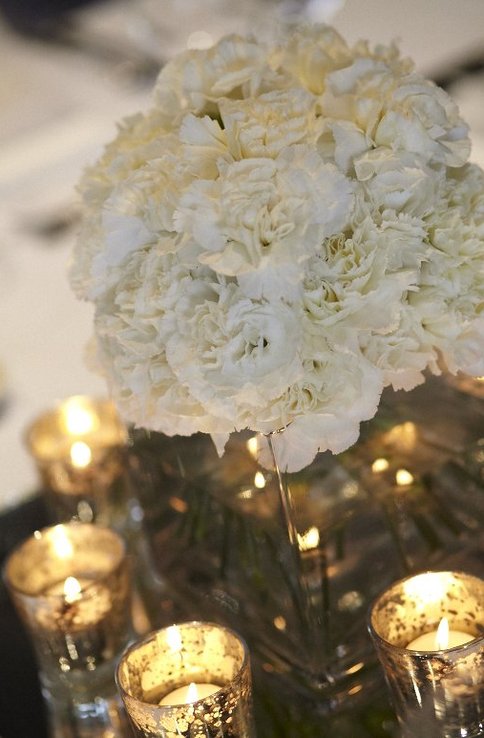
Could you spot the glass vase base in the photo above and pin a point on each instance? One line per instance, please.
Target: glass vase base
(103, 717)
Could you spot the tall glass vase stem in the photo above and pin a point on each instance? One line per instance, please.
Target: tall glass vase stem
(310, 608)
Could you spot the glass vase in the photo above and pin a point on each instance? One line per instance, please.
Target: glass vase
(293, 561)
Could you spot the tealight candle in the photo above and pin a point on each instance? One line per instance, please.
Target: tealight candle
(70, 584)
(77, 425)
(191, 693)
(79, 449)
(440, 639)
(436, 675)
(73, 605)
(188, 680)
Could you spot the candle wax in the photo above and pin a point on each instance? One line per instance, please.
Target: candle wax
(189, 694)
(428, 641)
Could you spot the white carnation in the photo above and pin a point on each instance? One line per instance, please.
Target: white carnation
(237, 355)
(195, 80)
(268, 124)
(290, 228)
(262, 213)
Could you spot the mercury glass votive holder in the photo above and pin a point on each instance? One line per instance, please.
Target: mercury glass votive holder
(79, 448)
(437, 687)
(190, 680)
(71, 586)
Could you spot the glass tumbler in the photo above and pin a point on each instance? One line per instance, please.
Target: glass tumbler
(80, 449)
(188, 681)
(71, 586)
(435, 674)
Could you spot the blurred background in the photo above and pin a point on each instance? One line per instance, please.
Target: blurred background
(69, 70)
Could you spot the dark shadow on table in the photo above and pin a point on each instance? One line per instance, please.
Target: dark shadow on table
(22, 712)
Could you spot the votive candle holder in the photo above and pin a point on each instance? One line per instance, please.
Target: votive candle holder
(437, 691)
(71, 586)
(80, 450)
(207, 657)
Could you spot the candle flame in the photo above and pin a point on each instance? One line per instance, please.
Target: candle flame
(380, 465)
(72, 590)
(404, 436)
(192, 692)
(174, 639)
(78, 419)
(61, 543)
(259, 480)
(253, 447)
(442, 636)
(403, 478)
(280, 622)
(81, 455)
(309, 539)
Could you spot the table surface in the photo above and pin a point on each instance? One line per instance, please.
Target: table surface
(58, 107)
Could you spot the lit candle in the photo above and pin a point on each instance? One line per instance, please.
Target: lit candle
(74, 604)
(212, 664)
(71, 588)
(189, 694)
(79, 448)
(71, 585)
(380, 465)
(440, 639)
(253, 447)
(77, 419)
(81, 454)
(403, 437)
(436, 678)
(308, 540)
(403, 478)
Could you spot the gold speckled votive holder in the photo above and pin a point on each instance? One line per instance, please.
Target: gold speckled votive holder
(438, 691)
(209, 656)
(71, 586)
(79, 448)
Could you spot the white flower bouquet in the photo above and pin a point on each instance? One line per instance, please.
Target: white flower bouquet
(290, 228)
